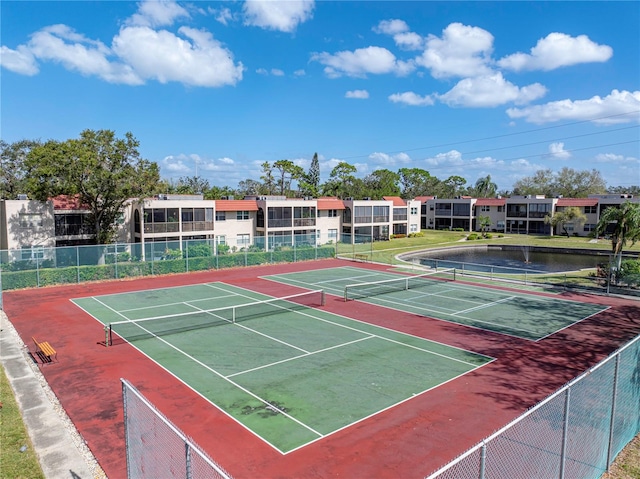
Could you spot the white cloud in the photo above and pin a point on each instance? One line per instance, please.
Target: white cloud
(490, 91)
(362, 61)
(558, 50)
(281, 15)
(20, 60)
(176, 164)
(399, 30)
(277, 72)
(411, 98)
(450, 158)
(222, 15)
(611, 109)
(299, 73)
(360, 94)
(262, 71)
(61, 44)
(615, 158)
(198, 59)
(389, 160)
(557, 150)
(157, 13)
(391, 27)
(463, 51)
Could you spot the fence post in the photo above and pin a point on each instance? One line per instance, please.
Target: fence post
(565, 428)
(613, 411)
(127, 449)
(483, 460)
(187, 452)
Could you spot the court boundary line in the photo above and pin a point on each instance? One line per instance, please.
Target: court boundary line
(514, 294)
(217, 373)
(473, 367)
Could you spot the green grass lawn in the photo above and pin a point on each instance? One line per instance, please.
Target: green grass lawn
(14, 463)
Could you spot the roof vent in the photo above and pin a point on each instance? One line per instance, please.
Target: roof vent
(23, 197)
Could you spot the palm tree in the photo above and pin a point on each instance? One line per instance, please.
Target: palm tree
(623, 224)
(485, 188)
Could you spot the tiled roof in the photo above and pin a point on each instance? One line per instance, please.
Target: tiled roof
(424, 199)
(491, 202)
(397, 201)
(68, 202)
(236, 205)
(330, 204)
(577, 202)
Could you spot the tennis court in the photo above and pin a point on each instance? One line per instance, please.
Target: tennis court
(438, 295)
(283, 368)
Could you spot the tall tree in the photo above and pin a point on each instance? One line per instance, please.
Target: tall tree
(484, 188)
(417, 182)
(342, 182)
(538, 184)
(192, 185)
(310, 183)
(623, 224)
(103, 170)
(382, 183)
(452, 186)
(249, 187)
(288, 172)
(571, 214)
(577, 183)
(13, 156)
(268, 183)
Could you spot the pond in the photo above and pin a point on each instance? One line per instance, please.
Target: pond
(520, 258)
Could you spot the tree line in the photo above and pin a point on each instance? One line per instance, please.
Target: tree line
(105, 171)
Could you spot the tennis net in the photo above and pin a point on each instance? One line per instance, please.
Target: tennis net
(375, 288)
(136, 329)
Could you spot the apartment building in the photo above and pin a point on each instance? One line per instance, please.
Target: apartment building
(516, 214)
(29, 228)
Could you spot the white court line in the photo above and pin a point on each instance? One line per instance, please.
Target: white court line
(264, 401)
(175, 304)
(486, 305)
(302, 356)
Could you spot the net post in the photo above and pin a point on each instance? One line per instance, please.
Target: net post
(322, 297)
(107, 335)
(454, 274)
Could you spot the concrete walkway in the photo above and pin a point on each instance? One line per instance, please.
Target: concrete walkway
(59, 447)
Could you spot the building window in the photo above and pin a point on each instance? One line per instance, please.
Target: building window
(463, 209)
(221, 216)
(590, 210)
(568, 226)
(242, 215)
(485, 208)
(500, 225)
(280, 216)
(589, 227)
(501, 209)
(414, 210)
(332, 213)
(30, 220)
(244, 240)
(413, 228)
(381, 214)
(31, 252)
(221, 239)
(333, 235)
(362, 214)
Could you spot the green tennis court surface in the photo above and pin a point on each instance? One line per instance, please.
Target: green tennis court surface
(516, 314)
(286, 370)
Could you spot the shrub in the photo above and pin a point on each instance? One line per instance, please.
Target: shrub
(488, 235)
(472, 236)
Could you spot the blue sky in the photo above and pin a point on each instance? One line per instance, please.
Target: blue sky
(217, 88)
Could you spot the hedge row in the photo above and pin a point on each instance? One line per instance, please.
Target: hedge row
(80, 274)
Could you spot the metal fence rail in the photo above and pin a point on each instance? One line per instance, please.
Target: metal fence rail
(575, 433)
(155, 448)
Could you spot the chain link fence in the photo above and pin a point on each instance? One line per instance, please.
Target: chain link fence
(156, 448)
(574, 434)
